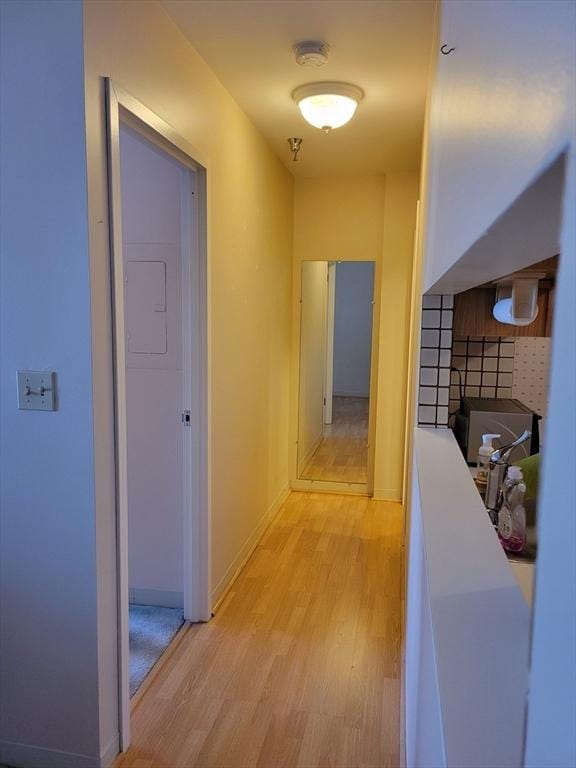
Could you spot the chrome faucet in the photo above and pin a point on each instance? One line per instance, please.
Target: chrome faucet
(499, 461)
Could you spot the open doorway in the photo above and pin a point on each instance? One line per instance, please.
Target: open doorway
(158, 212)
(335, 371)
(154, 218)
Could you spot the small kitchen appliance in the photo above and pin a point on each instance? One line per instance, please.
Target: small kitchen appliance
(506, 417)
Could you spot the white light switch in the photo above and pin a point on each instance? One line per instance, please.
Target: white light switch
(36, 390)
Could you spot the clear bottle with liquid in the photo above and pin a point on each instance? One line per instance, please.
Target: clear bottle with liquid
(512, 515)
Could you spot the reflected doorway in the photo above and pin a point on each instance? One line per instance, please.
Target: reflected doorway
(335, 371)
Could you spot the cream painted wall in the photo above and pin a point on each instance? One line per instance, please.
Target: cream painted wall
(338, 219)
(312, 359)
(394, 329)
(250, 248)
(366, 218)
(250, 197)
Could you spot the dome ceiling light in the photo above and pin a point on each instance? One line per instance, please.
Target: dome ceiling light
(328, 105)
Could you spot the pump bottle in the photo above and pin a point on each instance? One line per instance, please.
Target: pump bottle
(484, 453)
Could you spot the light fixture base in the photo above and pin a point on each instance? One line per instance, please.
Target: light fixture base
(333, 88)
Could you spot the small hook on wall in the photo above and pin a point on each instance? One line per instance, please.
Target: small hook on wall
(446, 52)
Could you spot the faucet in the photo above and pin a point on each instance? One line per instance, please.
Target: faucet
(499, 461)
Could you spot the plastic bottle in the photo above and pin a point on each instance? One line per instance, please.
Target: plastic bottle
(512, 515)
(484, 453)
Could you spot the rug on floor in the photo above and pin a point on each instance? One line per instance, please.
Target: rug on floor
(151, 630)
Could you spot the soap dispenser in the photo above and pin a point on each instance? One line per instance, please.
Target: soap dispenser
(484, 453)
(512, 515)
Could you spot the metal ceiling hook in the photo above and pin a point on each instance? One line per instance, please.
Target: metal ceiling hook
(448, 51)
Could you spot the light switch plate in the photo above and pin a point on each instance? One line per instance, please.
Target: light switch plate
(36, 390)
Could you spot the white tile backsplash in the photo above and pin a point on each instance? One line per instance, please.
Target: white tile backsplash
(435, 358)
(429, 357)
(431, 302)
(429, 376)
(431, 318)
(430, 338)
(445, 357)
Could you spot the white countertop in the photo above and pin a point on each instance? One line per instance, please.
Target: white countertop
(480, 619)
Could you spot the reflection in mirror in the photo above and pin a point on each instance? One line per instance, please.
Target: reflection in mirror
(335, 356)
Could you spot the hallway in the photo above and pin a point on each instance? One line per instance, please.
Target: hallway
(300, 666)
(342, 455)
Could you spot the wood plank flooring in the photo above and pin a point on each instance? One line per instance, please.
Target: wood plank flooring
(342, 456)
(300, 666)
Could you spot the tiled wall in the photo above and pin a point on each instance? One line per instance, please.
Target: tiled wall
(435, 354)
(488, 366)
(502, 366)
(485, 367)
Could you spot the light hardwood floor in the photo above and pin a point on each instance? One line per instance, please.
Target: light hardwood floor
(300, 666)
(342, 455)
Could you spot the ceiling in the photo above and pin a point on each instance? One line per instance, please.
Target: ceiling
(381, 45)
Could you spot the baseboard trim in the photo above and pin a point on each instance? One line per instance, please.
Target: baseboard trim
(159, 597)
(388, 494)
(108, 755)
(328, 486)
(224, 585)
(27, 756)
(309, 453)
(363, 395)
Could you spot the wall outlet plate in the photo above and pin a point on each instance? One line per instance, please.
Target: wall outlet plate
(37, 390)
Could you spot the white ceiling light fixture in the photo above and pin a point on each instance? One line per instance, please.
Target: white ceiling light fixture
(328, 105)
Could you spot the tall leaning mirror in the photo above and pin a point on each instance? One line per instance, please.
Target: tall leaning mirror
(335, 370)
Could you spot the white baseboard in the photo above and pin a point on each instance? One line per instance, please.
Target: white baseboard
(159, 597)
(302, 462)
(387, 494)
(364, 395)
(27, 756)
(232, 572)
(330, 486)
(108, 755)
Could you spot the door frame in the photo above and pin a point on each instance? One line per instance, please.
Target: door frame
(329, 366)
(122, 108)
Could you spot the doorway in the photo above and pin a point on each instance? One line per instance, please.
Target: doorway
(160, 308)
(335, 371)
(154, 187)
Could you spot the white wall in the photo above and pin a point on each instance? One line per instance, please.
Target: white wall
(49, 697)
(551, 736)
(353, 328)
(502, 112)
(152, 209)
(498, 115)
(249, 265)
(312, 359)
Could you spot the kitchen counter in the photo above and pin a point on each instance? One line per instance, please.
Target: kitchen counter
(468, 622)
